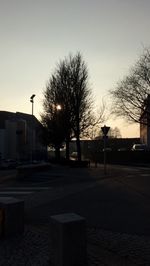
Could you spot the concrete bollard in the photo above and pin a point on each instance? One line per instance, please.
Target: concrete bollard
(68, 240)
(11, 216)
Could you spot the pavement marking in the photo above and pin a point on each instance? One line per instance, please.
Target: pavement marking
(16, 192)
(26, 188)
(5, 191)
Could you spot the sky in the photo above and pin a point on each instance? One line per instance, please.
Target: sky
(37, 34)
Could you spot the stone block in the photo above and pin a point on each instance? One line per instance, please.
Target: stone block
(68, 240)
(11, 216)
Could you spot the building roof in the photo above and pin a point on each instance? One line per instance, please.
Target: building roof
(5, 115)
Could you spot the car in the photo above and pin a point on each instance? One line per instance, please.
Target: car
(74, 155)
(139, 147)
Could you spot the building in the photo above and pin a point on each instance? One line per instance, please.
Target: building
(20, 137)
(145, 123)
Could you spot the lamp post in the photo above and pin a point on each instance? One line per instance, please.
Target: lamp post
(32, 101)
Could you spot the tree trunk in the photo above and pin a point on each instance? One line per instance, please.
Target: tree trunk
(78, 149)
(57, 154)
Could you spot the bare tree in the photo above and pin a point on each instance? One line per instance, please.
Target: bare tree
(114, 133)
(68, 87)
(53, 128)
(80, 98)
(99, 117)
(132, 92)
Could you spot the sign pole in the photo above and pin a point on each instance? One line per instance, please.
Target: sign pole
(105, 132)
(104, 154)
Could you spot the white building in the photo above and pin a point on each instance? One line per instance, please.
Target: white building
(20, 136)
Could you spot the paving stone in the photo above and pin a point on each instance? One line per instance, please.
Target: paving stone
(32, 249)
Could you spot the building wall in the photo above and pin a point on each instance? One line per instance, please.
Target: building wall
(2, 143)
(19, 136)
(145, 123)
(148, 137)
(143, 134)
(10, 139)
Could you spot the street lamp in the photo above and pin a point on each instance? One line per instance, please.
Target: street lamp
(32, 101)
(58, 107)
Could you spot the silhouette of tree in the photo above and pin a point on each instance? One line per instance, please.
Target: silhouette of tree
(53, 130)
(68, 87)
(114, 133)
(132, 92)
(81, 101)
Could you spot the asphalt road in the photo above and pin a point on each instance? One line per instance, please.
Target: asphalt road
(118, 202)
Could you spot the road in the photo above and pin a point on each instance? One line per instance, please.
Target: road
(119, 201)
(116, 208)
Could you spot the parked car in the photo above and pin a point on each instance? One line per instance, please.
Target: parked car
(139, 147)
(74, 155)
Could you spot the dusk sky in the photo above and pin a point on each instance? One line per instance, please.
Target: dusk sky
(36, 34)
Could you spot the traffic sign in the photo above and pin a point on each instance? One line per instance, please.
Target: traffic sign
(105, 130)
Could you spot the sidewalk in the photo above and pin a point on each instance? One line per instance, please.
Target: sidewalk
(104, 247)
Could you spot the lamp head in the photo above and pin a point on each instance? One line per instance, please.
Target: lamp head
(31, 98)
